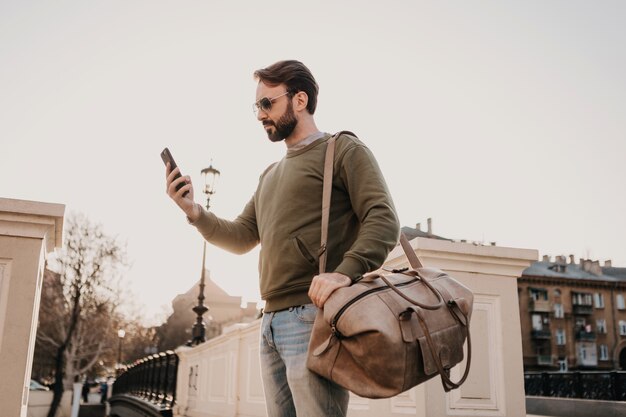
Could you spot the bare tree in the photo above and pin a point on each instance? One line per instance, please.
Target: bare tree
(78, 309)
(140, 340)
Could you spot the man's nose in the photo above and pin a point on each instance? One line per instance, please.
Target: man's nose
(261, 115)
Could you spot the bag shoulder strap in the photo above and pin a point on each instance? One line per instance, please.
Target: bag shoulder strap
(326, 192)
(414, 261)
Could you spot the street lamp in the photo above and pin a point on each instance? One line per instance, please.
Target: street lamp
(198, 332)
(120, 334)
(210, 175)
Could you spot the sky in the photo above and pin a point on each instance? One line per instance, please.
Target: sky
(501, 121)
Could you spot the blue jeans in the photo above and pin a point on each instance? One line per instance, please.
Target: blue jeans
(290, 388)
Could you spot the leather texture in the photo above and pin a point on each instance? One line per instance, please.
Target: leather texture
(391, 330)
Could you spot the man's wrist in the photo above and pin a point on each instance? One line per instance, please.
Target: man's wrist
(196, 212)
(355, 279)
(346, 278)
(350, 267)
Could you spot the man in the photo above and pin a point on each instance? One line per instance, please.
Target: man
(284, 215)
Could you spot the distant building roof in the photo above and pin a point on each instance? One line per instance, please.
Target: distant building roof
(213, 293)
(572, 271)
(412, 233)
(615, 272)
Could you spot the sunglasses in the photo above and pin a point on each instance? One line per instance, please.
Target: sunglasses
(265, 104)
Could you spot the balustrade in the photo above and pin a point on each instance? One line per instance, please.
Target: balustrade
(592, 385)
(152, 380)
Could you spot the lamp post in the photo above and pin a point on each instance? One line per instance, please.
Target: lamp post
(120, 335)
(198, 332)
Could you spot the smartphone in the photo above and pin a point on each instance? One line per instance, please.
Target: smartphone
(166, 156)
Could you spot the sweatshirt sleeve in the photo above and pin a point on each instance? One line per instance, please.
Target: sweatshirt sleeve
(373, 206)
(237, 236)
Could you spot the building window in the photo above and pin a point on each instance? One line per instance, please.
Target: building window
(604, 353)
(622, 328)
(562, 365)
(543, 355)
(620, 302)
(587, 354)
(601, 326)
(539, 321)
(581, 299)
(560, 337)
(538, 294)
(558, 311)
(599, 300)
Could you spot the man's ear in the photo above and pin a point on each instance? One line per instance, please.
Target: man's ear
(301, 99)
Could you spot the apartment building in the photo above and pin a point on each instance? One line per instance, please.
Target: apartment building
(573, 315)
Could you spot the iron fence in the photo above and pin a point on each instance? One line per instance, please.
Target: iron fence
(591, 385)
(152, 379)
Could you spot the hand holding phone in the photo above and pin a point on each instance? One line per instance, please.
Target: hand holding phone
(166, 156)
(191, 209)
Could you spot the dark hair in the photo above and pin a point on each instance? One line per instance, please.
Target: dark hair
(295, 76)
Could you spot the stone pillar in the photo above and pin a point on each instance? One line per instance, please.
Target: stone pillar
(28, 231)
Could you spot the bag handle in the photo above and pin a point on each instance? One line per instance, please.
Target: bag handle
(414, 273)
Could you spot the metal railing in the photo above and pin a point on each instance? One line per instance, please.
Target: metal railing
(591, 385)
(584, 335)
(149, 382)
(541, 334)
(582, 309)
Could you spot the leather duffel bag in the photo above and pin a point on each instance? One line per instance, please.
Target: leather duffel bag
(387, 333)
(390, 331)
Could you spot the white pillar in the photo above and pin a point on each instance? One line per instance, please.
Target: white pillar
(107, 407)
(28, 231)
(78, 387)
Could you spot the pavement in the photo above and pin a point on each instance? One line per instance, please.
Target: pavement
(91, 408)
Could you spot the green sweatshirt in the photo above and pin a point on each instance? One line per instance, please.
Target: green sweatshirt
(284, 215)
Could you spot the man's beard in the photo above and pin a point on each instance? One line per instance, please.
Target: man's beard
(284, 127)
